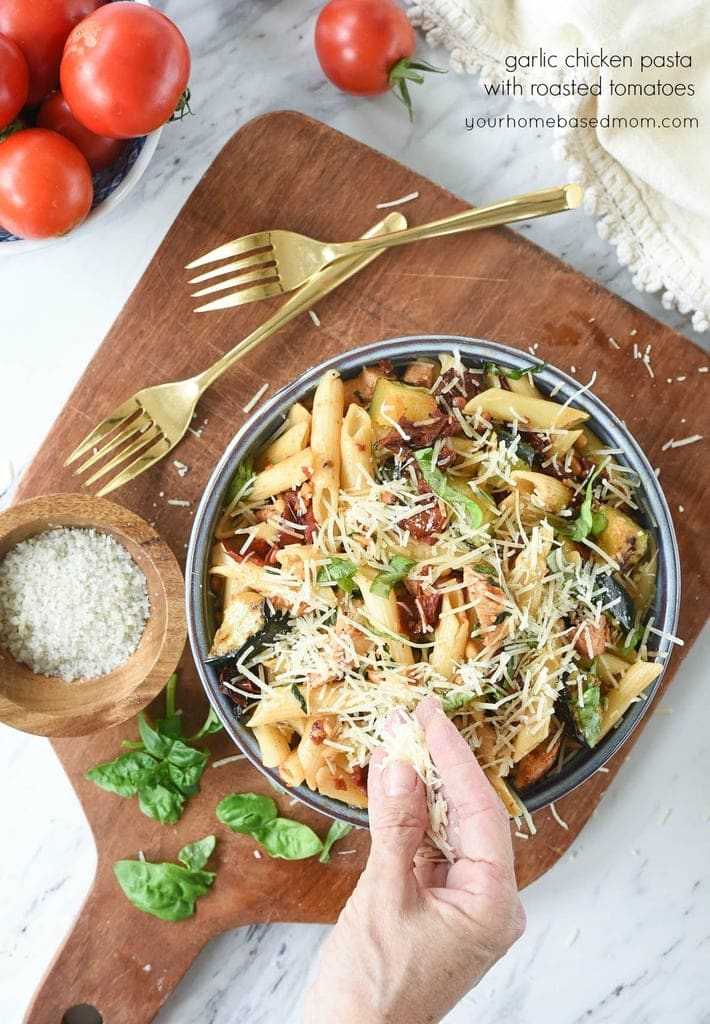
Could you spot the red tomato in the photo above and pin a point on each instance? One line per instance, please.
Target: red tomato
(124, 69)
(45, 184)
(99, 151)
(40, 27)
(366, 47)
(358, 42)
(14, 81)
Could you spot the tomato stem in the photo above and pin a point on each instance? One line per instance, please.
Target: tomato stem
(183, 108)
(406, 71)
(14, 126)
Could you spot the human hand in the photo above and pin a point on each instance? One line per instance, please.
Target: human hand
(412, 940)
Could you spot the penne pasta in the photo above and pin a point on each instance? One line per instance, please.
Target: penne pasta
(325, 444)
(273, 746)
(535, 413)
(356, 438)
(637, 678)
(293, 440)
(291, 472)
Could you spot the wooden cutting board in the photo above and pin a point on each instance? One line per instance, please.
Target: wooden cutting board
(284, 170)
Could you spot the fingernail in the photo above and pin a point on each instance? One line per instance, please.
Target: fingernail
(399, 778)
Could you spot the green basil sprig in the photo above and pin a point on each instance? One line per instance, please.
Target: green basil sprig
(587, 521)
(397, 570)
(501, 371)
(168, 891)
(440, 485)
(340, 571)
(241, 482)
(163, 769)
(257, 816)
(338, 830)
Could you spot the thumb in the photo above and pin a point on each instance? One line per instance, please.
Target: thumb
(398, 815)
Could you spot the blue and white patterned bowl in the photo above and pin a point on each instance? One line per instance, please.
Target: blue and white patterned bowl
(110, 187)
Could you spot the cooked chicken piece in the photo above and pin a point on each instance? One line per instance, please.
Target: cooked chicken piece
(593, 639)
(420, 373)
(537, 763)
(489, 605)
(242, 617)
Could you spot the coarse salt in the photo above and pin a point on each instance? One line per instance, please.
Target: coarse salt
(73, 603)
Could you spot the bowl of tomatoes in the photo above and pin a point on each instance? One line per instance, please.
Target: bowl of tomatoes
(85, 89)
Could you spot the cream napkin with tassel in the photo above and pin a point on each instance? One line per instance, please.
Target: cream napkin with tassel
(649, 186)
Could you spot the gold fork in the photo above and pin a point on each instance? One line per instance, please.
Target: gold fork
(150, 423)
(284, 260)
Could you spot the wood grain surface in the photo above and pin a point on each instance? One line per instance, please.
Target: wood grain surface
(284, 170)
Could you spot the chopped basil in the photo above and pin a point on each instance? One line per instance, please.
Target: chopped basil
(338, 830)
(440, 485)
(588, 716)
(241, 482)
(168, 891)
(397, 570)
(453, 701)
(586, 522)
(514, 374)
(340, 571)
(300, 698)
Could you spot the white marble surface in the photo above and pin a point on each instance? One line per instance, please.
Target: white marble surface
(618, 930)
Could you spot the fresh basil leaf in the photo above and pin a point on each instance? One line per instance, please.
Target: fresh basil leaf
(502, 371)
(183, 756)
(396, 571)
(633, 639)
(186, 779)
(599, 522)
(583, 525)
(123, 775)
(338, 830)
(241, 481)
(160, 801)
(287, 839)
(210, 725)
(589, 714)
(154, 743)
(170, 727)
(167, 891)
(440, 485)
(340, 571)
(454, 701)
(300, 698)
(195, 855)
(245, 812)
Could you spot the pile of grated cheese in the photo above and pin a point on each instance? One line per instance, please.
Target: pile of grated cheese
(405, 741)
(73, 603)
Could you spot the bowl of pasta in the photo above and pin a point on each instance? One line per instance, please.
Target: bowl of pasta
(432, 516)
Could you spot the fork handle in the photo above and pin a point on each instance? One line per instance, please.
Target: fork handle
(318, 286)
(525, 207)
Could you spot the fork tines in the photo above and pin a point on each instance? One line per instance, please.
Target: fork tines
(257, 264)
(126, 432)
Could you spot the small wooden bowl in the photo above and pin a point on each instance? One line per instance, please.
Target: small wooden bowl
(49, 706)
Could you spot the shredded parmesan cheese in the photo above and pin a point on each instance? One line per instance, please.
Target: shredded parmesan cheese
(398, 202)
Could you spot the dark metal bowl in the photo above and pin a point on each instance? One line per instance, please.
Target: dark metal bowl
(270, 416)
